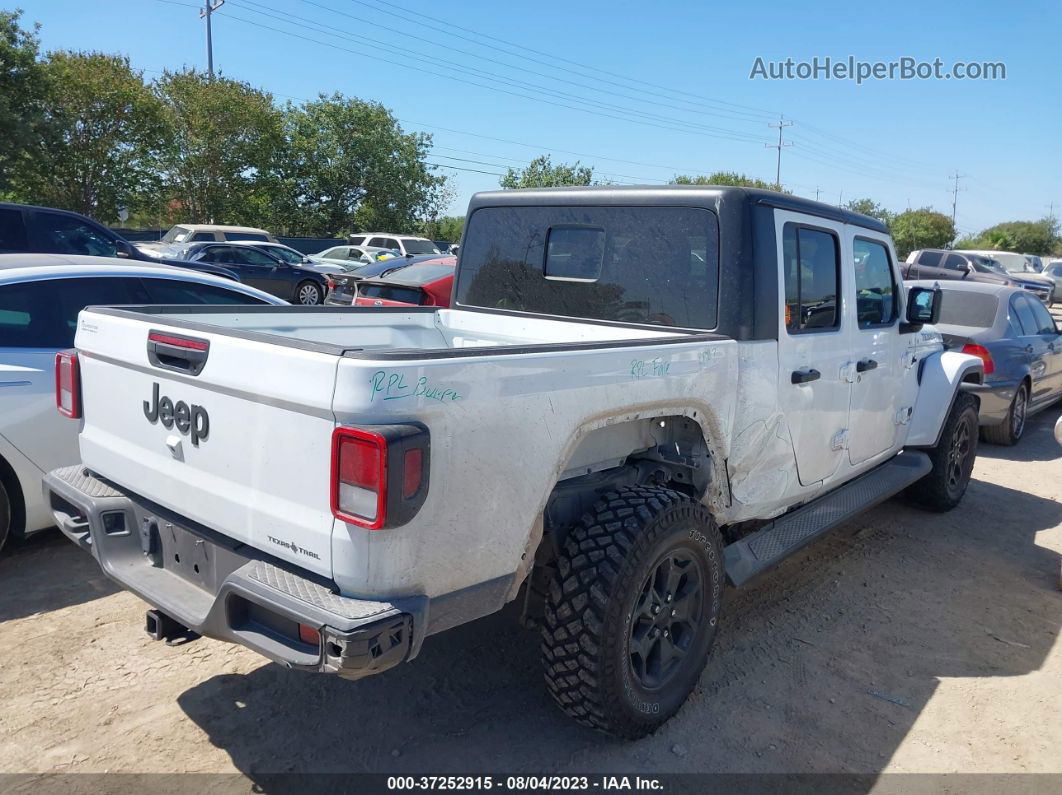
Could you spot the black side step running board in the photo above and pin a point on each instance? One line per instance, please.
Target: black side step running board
(779, 539)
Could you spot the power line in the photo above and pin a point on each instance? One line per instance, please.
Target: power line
(553, 58)
(595, 108)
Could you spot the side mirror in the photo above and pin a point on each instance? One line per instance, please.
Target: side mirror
(923, 305)
(122, 249)
(1058, 430)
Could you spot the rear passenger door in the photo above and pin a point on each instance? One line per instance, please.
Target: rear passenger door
(878, 371)
(813, 343)
(1034, 348)
(930, 265)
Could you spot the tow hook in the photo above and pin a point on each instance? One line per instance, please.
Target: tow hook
(162, 627)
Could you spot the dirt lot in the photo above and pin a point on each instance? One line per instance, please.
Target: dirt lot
(903, 642)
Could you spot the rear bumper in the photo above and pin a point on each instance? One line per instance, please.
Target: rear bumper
(995, 399)
(223, 589)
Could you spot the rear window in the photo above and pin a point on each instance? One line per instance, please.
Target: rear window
(423, 273)
(177, 234)
(654, 265)
(247, 236)
(930, 258)
(962, 308)
(390, 292)
(414, 246)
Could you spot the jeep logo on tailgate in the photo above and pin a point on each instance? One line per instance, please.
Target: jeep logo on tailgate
(192, 420)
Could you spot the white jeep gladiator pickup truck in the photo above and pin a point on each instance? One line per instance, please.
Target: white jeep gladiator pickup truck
(637, 393)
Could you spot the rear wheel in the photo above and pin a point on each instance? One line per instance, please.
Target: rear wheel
(308, 294)
(953, 459)
(632, 613)
(1010, 431)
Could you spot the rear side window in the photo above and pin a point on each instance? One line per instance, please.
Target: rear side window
(12, 232)
(650, 265)
(247, 236)
(390, 292)
(1044, 322)
(1021, 309)
(175, 291)
(43, 314)
(357, 240)
(875, 286)
(67, 234)
(201, 236)
(812, 277)
(967, 308)
(930, 259)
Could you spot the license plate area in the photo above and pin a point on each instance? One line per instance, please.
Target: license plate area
(180, 551)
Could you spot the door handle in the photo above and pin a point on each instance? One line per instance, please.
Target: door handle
(865, 365)
(806, 376)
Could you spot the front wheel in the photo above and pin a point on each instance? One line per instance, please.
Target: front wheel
(308, 294)
(953, 459)
(633, 609)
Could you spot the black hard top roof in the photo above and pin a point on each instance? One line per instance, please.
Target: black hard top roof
(712, 196)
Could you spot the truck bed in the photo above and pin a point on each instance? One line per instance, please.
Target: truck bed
(502, 395)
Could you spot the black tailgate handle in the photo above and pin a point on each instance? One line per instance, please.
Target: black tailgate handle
(806, 376)
(176, 352)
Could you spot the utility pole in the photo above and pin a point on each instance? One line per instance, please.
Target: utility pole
(817, 192)
(209, 7)
(955, 194)
(778, 168)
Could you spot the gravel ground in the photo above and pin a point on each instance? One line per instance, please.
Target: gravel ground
(904, 641)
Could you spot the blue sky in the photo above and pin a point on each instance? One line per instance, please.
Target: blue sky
(673, 92)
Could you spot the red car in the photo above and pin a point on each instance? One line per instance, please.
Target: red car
(427, 283)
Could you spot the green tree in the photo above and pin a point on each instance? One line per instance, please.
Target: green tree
(227, 139)
(449, 227)
(349, 164)
(102, 133)
(871, 208)
(541, 173)
(922, 228)
(730, 178)
(22, 92)
(1023, 237)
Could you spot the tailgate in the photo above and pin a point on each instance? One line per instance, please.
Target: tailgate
(248, 449)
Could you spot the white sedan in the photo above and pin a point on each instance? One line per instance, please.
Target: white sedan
(40, 297)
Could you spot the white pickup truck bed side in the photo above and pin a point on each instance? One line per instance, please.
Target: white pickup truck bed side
(489, 387)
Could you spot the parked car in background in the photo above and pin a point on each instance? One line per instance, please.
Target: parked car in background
(1053, 271)
(1016, 338)
(349, 257)
(341, 286)
(424, 284)
(1019, 268)
(261, 268)
(405, 244)
(26, 229)
(202, 233)
(443, 246)
(40, 297)
(936, 263)
(1036, 262)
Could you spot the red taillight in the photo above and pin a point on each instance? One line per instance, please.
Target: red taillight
(412, 467)
(178, 342)
(982, 353)
(68, 385)
(379, 477)
(359, 477)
